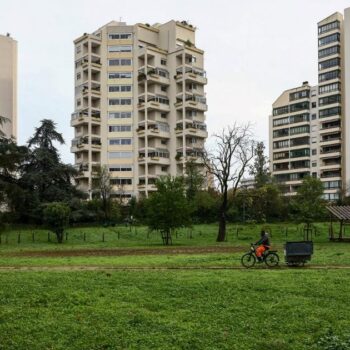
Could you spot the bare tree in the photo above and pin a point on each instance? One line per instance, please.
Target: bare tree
(227, 163)
(104, 188)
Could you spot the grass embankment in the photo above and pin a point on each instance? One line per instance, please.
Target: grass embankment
(172, 310)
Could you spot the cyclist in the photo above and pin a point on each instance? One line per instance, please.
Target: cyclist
(263, 244)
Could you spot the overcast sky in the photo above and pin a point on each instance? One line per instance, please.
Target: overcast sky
(254, 49)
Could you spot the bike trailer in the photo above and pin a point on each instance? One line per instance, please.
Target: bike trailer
(298, 253)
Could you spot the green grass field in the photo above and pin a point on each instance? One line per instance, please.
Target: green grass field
(172, 310)
(161, 308)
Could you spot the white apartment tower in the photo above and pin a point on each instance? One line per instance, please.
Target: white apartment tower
(310, 125)
(8, 85)
(139, 104)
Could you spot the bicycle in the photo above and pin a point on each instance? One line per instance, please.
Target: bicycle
(270, 258)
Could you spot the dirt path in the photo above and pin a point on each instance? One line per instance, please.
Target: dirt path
(127, 251)
(77, 268)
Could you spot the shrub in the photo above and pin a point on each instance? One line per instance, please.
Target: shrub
(56, 216)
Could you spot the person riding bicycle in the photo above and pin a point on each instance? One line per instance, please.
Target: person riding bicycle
(263, 244)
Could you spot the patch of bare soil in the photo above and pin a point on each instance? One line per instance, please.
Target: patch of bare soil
(128, 251)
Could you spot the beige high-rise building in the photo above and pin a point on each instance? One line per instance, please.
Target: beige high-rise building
(310, 125)
(8, 85)
(139, 104)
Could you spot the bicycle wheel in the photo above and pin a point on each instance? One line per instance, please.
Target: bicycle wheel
(248, 260)
(272, 259)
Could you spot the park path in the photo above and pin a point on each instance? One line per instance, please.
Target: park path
(77, 268)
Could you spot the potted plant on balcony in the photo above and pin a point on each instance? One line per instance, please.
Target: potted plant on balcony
(178, 156)
(141, 76)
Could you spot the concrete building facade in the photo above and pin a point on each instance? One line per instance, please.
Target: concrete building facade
(310, 125)
(8, 85)
(139, 104)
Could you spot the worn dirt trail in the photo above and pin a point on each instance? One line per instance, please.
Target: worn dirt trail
(77, 268)
(126, 251)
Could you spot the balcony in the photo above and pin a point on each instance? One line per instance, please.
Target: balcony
(194, 102)
(331, 139)
(156, 103)
(330, 173)
(82, 117)
(195, 129)
(154, 76)
(153, 130)
(191, 74)
(153, 159)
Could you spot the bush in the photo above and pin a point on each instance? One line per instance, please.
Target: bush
(56, 216)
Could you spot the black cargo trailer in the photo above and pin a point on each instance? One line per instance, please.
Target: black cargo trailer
(298, 253)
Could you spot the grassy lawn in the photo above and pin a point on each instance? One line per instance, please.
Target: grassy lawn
(267, 309)
(200, 236)
(169, 309)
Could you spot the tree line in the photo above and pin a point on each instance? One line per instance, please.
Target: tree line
(36, 187)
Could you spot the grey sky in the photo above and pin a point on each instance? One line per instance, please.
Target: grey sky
(254, 50)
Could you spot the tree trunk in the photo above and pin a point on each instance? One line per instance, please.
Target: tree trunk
(59, 236)
(222, 219)
(222, 228)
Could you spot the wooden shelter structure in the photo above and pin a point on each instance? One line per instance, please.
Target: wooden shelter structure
(340, 213)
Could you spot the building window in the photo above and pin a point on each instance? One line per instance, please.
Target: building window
(325, 89)
(163, 115)
(314, 116)
(298, 95)
(119, 115)
(300, 130)
(119, 128)
(163, 62)
(119, 101)
(328, 112)
(329, 63)
(163, 88)
(314, 151)
(119, 88)
(281, 144)
(121, 181)
(314, 174)
(332, 184)
(313, 139)
(329, 39)
(120, 62)
(78, 49)
(313, 105)
(328, 27)
(121, 142)
(120, 168)
(334, 74)
(299, 106)
(120, 48)
(280, 133)
(120, 75)
(329, 100)
(78, 76)
(78, 102)
(314, 164)
(119, 36)
(280, 110)
(329, 51)
(116, 155)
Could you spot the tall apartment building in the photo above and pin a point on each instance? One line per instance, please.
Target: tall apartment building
(8, 85)
(310, 125)
(139, 104)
